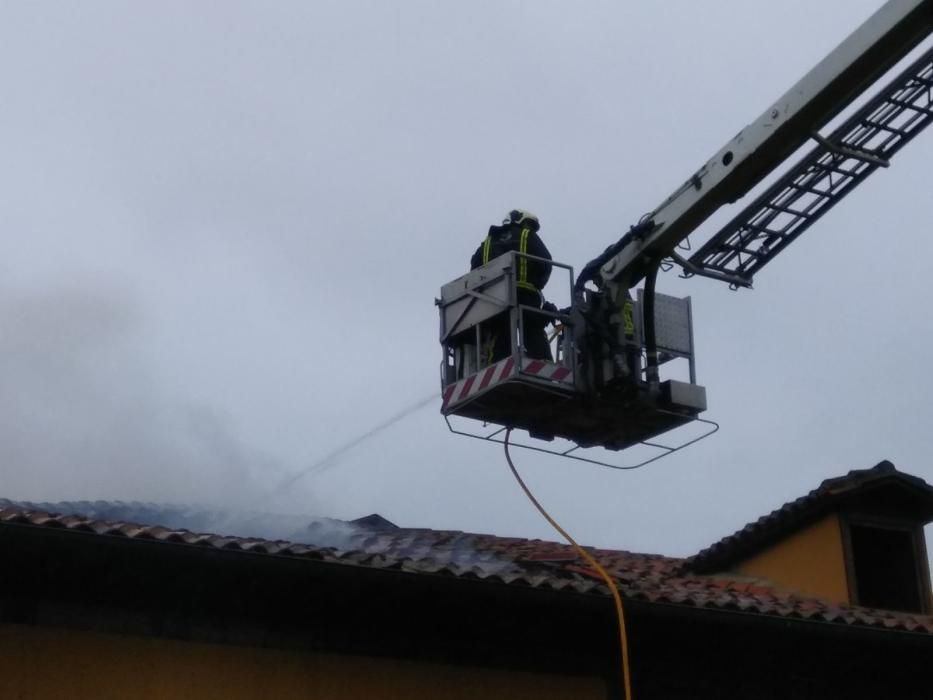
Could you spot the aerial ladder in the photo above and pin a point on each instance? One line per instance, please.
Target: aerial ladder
(606, 385)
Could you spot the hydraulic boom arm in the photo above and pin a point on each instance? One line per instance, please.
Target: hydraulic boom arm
(832, 86)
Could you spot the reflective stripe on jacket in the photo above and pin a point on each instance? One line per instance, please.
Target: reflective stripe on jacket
(522, 281)
(527, 274)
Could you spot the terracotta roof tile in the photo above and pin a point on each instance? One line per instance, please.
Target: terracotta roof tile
(507, 561)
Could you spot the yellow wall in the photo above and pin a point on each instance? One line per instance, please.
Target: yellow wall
(809, 562)
(45, 664)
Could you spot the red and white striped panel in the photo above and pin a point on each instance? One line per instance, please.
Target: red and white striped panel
(547, 370)
(475, 383)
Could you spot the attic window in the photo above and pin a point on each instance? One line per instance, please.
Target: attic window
(887, 573)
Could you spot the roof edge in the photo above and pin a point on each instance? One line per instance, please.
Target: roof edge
(801, 512)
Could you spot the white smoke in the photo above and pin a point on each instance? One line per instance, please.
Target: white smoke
(83, 415)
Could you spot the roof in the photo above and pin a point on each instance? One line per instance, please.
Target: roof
(510, 561)
(828, 496)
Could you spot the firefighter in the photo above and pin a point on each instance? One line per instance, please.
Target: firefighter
(518, 232)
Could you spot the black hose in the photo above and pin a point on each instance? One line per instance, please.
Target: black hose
(589, 271)
(651, 339)
(639, 230)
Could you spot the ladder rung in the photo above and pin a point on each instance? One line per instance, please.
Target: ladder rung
(817, 174)
(885, 127)
(823, 169)
(786, 210)
(744, 251)
(911, 106)
(811, 190)
(760, 230)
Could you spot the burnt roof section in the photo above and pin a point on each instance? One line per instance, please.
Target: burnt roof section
(375, 523)
(524, 563)
(242, 523)
(839, 493)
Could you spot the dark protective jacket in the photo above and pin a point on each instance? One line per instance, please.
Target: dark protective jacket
(532, 275)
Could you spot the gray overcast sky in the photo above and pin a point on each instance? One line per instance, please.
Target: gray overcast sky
(224, 225)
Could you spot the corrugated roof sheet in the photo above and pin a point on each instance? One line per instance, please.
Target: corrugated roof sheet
(507, 561)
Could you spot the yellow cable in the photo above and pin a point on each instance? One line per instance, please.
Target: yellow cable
(610, 582)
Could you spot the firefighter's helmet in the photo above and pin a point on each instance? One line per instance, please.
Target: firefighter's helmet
(522, 218)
